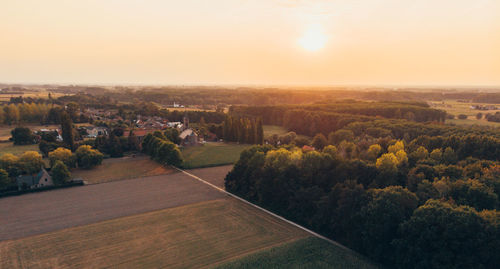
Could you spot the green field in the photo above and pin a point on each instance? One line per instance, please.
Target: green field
(211, 154)
(121, 168)
(192, 236)
(273, 129)
(16, 150)
(456, 108)
(309, 252)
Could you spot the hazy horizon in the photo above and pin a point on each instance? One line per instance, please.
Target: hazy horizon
(291, 43)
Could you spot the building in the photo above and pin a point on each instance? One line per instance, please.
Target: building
(93, 132)
(42, 179)
(189, 137)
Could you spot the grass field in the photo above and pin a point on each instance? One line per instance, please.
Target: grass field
(309, 252)
(456, 108)
(6, 129)
(9, 147)
(211, 154)
(40, 94)
(273, 129)
(193, 236)
(120, 169)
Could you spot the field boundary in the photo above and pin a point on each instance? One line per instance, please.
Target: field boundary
(268, 212)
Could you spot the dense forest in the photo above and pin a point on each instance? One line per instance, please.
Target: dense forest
(409, 192)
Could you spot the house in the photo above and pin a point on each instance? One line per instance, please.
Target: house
(189, 137)
(42, 179)
(94, 132)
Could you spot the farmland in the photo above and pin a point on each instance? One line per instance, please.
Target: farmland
(120, 169)
(456, 108)
(64, 208)
(193, 236)
(211, 154)
(9, 147)
(309, 252)
(6, 129)
(273, 129)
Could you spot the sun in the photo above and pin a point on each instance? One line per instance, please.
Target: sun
(313, 39)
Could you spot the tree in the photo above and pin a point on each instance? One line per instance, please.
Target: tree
(449, 156)
(259, 136)
(380, 218)
(64, 155)
(439, 235)
(319, 141)
(334, 138)
(399, 145)
(479, 115)
(5, 181)
(172, 134)
(462, 116)
(60, 173)
(87, 157)
(67, 130)
(436, 155)
(11, 164)
(22, 136)
(31, 162)
(374, 151)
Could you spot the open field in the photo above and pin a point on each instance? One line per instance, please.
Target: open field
(309, 252)
(42, 212)
(273, 129)
(191, 236)
(455, 108)
(9, 147)
(214, 175)
(41, 94)
(211, 154)
(120, 169)
(5, 129)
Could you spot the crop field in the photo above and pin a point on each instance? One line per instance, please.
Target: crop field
(214, 175)
(456, 108)
(310, 252)
(192, 236)
(120, 169)
(211, 154)
(40, 94)
(273, 129)
(9, 147)
(48, 211)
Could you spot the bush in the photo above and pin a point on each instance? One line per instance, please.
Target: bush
(22, 136)
(60, 173)
(462, 117)
(87, 157)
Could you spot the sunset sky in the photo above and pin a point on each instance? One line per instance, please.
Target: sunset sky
(256, 42)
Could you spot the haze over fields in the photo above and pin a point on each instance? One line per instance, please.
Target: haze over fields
(287, 42)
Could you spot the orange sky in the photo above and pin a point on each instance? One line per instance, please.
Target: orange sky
(383, 42)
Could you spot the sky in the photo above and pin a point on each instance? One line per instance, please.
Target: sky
(254, 42)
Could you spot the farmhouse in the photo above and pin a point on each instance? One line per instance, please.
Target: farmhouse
(189, 137)
(94, 132)
(42, 179)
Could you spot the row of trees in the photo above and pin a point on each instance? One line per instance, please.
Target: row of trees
(382, 199)
(243, 130)
(161, 149)
(28, 112)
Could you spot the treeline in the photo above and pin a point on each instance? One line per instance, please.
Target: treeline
(161, 149)
(24, 113)
(200, 95)
(403, 207)
(413, 111)
(243, 130)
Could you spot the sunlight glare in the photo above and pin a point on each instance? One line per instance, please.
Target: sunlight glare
(313, 39)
